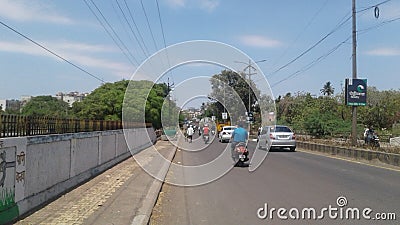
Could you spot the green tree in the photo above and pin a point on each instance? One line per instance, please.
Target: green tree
(104, 103)
(46, 106)
(230, 88)
(327, 89)
(107, 102)
(382, 110)
(147, 101)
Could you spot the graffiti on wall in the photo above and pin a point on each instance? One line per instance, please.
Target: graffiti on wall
(8, 207)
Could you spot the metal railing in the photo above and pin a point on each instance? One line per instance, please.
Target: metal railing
(16, 125)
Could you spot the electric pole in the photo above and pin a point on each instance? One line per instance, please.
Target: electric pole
(169, 88)
(354, 69)
(249, 67)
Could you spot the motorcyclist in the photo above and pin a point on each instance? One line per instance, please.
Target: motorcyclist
(370, 134)
(206, 131)
(239, 134)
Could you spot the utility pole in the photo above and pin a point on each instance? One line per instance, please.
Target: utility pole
(169, 88)
(249, 67)
(249, 74)
(354, 69)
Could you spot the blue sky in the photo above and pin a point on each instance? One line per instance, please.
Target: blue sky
(278, 31)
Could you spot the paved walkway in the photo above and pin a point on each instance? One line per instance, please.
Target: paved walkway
(124, 194)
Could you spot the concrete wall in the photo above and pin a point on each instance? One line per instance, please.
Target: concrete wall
(38, 169)
(388, 158)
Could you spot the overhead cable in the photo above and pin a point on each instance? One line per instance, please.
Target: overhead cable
(148, 25)
(52, 52)
(112, 29)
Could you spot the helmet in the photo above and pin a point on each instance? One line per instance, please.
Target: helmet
(206, 125)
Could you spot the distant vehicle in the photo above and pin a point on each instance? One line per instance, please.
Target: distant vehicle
(278, 136)
(226, 133)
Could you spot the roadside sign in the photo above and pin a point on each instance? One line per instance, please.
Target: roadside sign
(356, 92)
(224, 116)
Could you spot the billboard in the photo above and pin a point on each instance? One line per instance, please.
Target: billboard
(356, 92)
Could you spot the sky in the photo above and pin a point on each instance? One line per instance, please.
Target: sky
(51, 46)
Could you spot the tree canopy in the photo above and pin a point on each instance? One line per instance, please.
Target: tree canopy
(46, 106)
(328, 115)
(104, 103)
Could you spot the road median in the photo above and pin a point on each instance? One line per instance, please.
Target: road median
(354, 153)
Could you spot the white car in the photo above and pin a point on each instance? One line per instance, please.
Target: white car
(226, 133)
(278, 136)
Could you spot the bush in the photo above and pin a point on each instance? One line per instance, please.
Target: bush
(325, 124)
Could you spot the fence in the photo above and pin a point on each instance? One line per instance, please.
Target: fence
(15, 125)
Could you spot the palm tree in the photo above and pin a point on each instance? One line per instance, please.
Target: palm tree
(327, 89)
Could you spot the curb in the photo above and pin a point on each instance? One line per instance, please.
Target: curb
(144, 212)
(369, 155)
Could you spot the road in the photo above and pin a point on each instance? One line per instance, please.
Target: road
(295, 181)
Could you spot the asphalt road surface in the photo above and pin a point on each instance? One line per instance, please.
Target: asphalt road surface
(286, 189)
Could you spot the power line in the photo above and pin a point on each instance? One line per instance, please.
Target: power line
(302, 31)
(53, 53)
(363, 31)
(161, 24)
(163, 34)
(148, 25)
(146, 53)
(116, 35)
(319, 59)
(313, 46)
(313, 63)
(373, 6)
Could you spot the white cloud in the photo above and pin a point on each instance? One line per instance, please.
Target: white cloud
(207, 5)
(176, 3)
(30, 11)
(259, 41)
(78, 53)
(384, 52)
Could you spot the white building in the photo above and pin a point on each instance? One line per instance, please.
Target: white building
(3, 104)
(71, 97)
(25, 99)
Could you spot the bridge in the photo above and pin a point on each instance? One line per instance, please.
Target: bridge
(91, 178)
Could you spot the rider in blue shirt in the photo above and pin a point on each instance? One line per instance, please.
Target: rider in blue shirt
(238, 135)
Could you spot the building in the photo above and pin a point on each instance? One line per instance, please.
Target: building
(24, 99)
(3, 104)
(10, 105)
(71, 97)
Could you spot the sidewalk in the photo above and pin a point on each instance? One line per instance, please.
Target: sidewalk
(124, 194)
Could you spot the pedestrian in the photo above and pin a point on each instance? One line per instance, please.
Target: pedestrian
(366, 134)
(190, 132)
(184, 131)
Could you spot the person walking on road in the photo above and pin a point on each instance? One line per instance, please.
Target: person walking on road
(190, 132)
(184, 131)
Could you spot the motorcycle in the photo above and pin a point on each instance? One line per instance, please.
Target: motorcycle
(206, 139)
(241, 154)
(373, 140)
